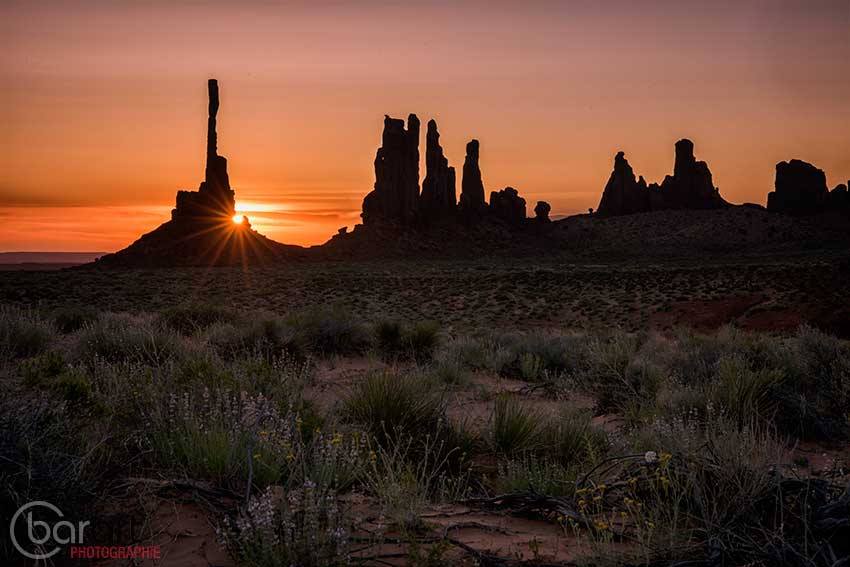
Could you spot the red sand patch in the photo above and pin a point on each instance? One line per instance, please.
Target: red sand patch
(705, 315)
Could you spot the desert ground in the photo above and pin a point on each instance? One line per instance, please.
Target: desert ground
(561, 410)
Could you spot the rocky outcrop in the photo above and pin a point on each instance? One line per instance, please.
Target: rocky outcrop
(439, 196)
(541, 211)
(839, 197)
(214, 200)
(690, 187)
(799, 189)
(508, 206)
(472, 187)
(623, 194)
(394, 199)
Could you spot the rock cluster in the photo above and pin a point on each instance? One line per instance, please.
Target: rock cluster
(214, 200)
(396, 194)
(439, 196)
(396, 200)
(800, 189)
(690, 187)
(508, 206)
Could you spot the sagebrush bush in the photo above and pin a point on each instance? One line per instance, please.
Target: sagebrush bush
(571, 439)
(417, 341)
(266, 336)
(329, 331)
(539, 475)
(191, 318)
(23, 333)
(73, 318)
(122, 337)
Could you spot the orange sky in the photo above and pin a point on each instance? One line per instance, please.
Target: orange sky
(103, 104)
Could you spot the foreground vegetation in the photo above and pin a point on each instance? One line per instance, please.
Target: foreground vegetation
(644, 449)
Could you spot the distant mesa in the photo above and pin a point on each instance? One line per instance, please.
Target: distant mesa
(690, 187)
(800, 189)
(202, 230)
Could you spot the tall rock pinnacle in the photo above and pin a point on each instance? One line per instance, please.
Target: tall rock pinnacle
(472, 187)
(396, 193)
(439, 196)
(214, 200)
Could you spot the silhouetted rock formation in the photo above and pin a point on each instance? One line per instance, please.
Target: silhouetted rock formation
(839, 197)
(800, 189)
(623, 194)
(508, 206)
(203, 229)
(541, 211)
(472, 187)
(396, 194)
(439, 196)
(214, 197)
(690, 187)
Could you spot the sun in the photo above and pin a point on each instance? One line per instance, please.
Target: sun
(238, 218)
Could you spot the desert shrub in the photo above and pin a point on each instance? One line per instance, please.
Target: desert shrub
(422, 339)
(73, 318)
(203, 368)
(73, 385)
(38, 369)
(571, 439)
(417, 341)
(409, 473)
(282, 377)
(534, 356)
(389, 337)
(746, 394)
(817, 395)
(23, 333)
(535, 474)
(621, 378)
(478, 353)
(392, 407)
(48, 456)
(229, 438)
(306, 526)
(515, 428)
(118, 337)
(447, 369)
(191, 318)
(264, 336)
(328, 331)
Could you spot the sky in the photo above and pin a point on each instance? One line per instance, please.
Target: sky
(103, 103)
